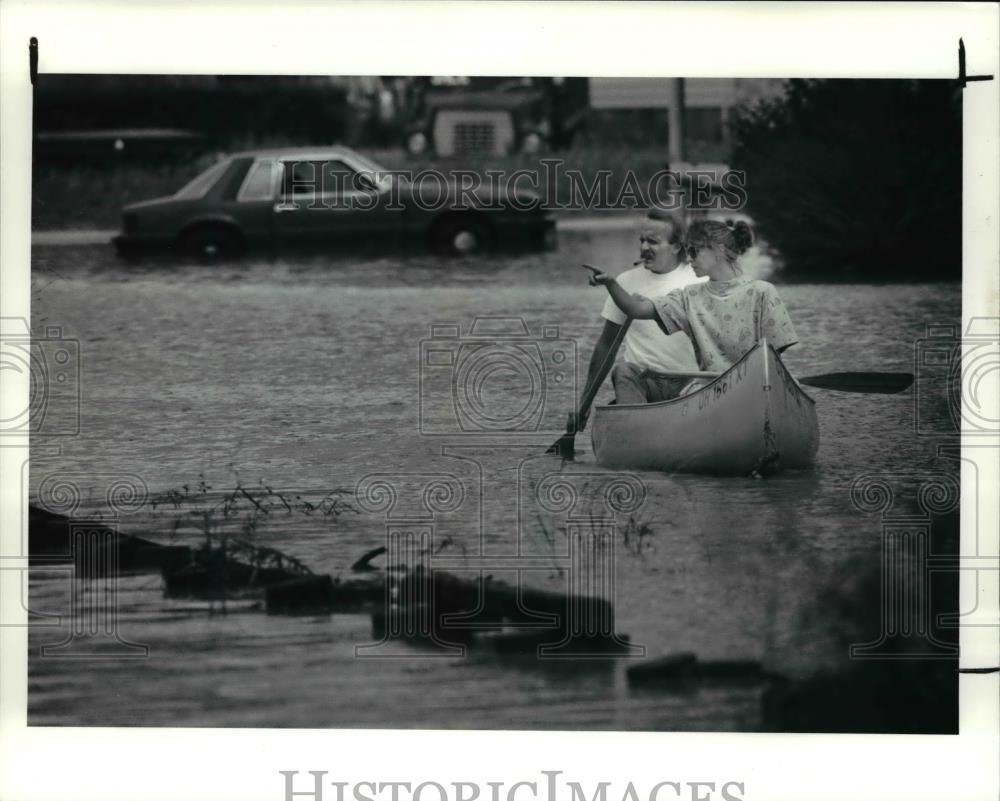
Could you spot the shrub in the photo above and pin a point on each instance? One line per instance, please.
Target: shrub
(857, 179)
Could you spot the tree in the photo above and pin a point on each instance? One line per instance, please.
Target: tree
(857, 180)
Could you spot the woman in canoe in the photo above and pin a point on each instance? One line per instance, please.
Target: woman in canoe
(725, 316)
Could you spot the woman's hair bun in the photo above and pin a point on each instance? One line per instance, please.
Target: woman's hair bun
(742, 237)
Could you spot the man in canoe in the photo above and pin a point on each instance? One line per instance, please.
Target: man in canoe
(724, 317)
(647, 352)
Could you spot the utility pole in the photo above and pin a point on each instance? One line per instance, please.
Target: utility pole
(676, 120)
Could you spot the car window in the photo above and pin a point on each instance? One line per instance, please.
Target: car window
(308, 177)
(376, 174)
(259, 183)
(199, 187)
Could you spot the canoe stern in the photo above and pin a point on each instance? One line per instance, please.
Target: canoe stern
(791, 424)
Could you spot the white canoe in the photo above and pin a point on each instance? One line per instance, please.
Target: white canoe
(753, 418)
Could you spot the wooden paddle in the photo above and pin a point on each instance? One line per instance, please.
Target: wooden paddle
(876, 383)
(565, 446)
(872, 382)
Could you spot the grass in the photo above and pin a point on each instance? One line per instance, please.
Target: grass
(90, 196)
(230, 521)
(637, 535)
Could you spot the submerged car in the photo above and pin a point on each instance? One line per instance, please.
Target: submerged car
(329, 197)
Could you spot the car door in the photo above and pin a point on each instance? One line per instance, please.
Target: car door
(253, 205)
(325, 202)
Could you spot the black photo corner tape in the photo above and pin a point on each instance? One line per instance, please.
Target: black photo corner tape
(33, 59)
(962, 77)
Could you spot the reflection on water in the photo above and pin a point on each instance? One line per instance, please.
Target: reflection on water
(305, 375)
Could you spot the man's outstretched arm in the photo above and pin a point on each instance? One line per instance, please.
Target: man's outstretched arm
(635, 306)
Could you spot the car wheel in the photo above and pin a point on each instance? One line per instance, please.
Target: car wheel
(461, 236)
(210, 244)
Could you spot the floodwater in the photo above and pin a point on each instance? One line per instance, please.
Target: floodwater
(310, 377)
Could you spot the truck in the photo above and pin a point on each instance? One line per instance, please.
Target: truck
(456, 116)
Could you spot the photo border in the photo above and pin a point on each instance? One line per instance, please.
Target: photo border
(624, 39)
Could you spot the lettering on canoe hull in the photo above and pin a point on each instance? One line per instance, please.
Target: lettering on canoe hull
(792, 388)
(713, 392)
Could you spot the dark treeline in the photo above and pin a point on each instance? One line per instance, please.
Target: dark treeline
(857, 180)
(223, 109)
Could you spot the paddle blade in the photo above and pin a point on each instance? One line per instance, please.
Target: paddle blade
(876, 383)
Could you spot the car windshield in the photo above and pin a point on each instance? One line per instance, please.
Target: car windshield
(374, 170)
(200, 185)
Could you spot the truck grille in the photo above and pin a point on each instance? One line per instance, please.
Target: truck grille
(459, 131)
(475, 137)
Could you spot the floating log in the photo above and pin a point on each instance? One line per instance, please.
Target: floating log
(214, 573)
(307, 595)
(416, 624)
(685, 668)
(351, 594)
(485, 602)
(554, 644)
(732, 670)
(440, 607)
(136, 555)
(49, 535)
(95, 548)
(302, 595)
(672, 669)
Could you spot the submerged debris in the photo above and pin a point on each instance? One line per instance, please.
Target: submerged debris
(235, 569)
(96, 548)
(417, 604)
(684, 670)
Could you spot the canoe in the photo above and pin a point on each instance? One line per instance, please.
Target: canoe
(754, 418)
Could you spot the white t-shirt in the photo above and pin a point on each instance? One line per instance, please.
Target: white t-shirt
(646, 346)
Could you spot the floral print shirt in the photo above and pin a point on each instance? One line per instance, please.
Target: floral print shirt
(725, 319)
